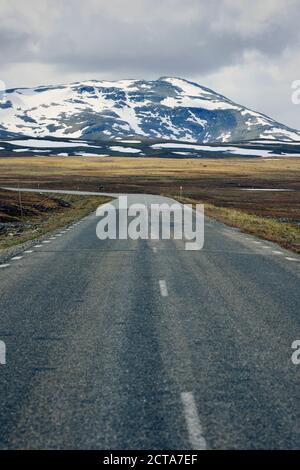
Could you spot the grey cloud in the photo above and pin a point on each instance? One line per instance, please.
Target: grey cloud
(144, 35)
(142, 38)
(15, 45)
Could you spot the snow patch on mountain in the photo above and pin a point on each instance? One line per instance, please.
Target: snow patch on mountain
(215, 149)
(46, 143)
(169, 108)
(124, 150)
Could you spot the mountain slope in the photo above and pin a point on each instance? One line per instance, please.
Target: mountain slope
(168, 108)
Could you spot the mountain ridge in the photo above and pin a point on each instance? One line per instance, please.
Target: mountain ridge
(170, 108)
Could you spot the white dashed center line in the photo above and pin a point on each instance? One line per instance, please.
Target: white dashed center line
(277, 252)
(197, 440)
(154, 249)
(291, 259)
(16, 258)
(163, 288)
(28, 252)
(38, 246)
(4, 265)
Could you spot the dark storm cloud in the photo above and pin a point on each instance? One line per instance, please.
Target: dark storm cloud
(224, 44)
(144, 36)
(15, 45)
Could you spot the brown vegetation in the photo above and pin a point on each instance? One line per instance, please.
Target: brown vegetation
(220, 184)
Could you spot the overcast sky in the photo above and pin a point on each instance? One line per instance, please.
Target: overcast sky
(246, 49)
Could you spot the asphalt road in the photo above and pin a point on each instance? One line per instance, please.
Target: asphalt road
(122, 344)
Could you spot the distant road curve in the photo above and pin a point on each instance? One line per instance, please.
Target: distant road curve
(58, 191)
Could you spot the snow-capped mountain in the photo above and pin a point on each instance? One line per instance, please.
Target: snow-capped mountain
(168, 108)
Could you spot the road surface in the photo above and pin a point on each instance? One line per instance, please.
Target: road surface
(143, 345)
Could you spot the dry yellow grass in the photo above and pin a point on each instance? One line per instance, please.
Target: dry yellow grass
(285, 234)
(62, 166)
(34, 226)
(217, 183)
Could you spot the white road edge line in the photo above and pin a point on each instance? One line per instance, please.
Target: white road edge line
(163, 288)
(195, 432)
